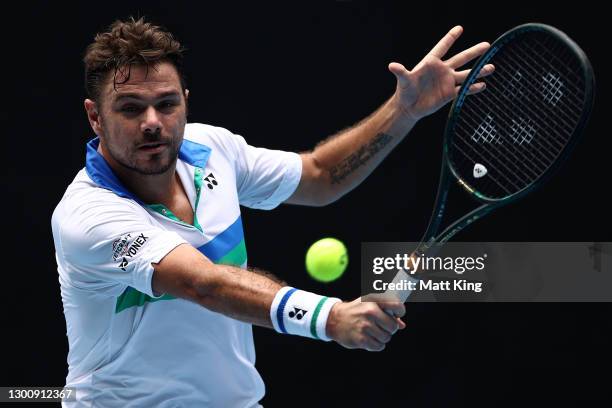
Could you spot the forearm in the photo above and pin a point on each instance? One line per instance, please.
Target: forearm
(347, 158)
(253, 297)
(258, 298)
(241, 294)
(339, 164)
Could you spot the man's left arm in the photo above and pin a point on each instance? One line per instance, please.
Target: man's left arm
(343, 161)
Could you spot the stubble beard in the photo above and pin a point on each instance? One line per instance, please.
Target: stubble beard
(159, 165)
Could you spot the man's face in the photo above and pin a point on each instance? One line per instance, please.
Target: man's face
(143, 120)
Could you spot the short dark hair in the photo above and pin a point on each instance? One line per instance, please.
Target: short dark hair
(127, 43)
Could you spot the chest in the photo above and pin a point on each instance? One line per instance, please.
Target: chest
(208, 216)
(182, 209)
(206, 206)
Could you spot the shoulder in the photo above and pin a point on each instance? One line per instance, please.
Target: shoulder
(84, 195)
(85, 206)
(216, 138)
(201, 132)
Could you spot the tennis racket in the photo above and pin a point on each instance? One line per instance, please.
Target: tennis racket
(505, 142)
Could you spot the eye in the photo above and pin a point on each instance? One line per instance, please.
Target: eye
(166, 105)
(130, 109)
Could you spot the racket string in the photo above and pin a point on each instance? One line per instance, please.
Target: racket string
(506, 152)
(500, 143)
(530, 100)
(491, 160)
(526, 66)
(504, 115)
(560, 53)
(501, 185)
(524, 120)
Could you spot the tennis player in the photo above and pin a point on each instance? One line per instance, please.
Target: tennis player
(158, 300)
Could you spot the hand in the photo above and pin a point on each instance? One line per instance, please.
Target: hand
(364, 325)
(432, 83)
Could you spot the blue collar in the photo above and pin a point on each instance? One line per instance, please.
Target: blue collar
(101, 173)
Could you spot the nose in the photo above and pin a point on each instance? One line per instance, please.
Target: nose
(151, 122)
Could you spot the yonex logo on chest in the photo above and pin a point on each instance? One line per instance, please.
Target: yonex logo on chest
(211, 181)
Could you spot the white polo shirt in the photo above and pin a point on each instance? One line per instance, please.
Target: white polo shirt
(128, 348)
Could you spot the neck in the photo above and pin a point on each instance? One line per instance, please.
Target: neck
(150, 188)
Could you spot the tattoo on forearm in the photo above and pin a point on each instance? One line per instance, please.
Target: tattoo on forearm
(340, 171)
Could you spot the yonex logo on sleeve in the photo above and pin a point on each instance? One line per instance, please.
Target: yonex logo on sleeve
(123, 264)
(120, 246)
(126, 247)
(136, 245)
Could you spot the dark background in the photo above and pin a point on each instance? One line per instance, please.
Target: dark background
(286, 75)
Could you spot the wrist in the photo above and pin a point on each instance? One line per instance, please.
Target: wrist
(332, 322)
(302, 313)
(405, 117)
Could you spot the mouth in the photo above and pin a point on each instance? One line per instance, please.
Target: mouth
(153, 147)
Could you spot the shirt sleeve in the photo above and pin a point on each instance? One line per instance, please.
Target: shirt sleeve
(265, 178)
(104, 247)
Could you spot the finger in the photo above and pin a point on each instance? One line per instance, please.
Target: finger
(378, 334)
(474, 88)
(400, 72)
(387, 322)
(371, 344)
(446, 42)
(381, 317)
(400, 323)
(396, 309)
(467, 55)
(461, 76)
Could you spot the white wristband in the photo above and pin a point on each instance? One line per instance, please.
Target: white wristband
(302, 313)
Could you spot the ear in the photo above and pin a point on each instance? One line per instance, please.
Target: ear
(186, 104)
(93, 116)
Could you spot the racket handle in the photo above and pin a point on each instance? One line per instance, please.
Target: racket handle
(401, 295)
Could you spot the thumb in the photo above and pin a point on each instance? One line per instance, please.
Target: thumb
(399, 71)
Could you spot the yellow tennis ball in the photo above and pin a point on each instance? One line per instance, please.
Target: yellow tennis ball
(326, 259)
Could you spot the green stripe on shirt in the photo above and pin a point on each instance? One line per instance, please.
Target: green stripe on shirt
(132, 297)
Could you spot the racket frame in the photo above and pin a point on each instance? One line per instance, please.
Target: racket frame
(431, 238)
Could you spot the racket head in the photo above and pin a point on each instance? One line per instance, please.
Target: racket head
(525, 123)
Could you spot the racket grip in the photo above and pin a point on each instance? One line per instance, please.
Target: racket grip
(401, 279)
